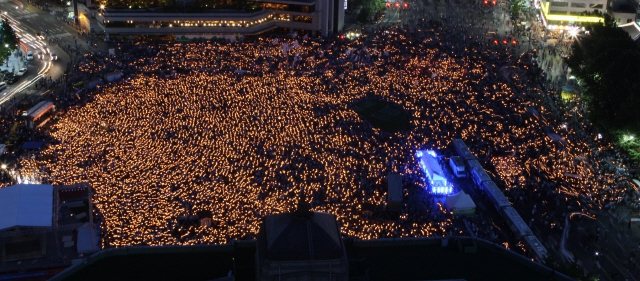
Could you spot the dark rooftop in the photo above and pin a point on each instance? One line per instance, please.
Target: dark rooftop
(392, 259)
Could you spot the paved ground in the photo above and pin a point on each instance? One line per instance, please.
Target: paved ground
(61, 38)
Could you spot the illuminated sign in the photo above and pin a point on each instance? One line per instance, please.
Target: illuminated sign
(569, 18)
(432, 169)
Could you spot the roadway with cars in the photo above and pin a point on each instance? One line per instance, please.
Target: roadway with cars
(34, 28)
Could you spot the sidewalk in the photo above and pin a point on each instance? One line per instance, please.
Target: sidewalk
(14, 63)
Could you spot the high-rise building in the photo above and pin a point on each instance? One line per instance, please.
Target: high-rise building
(624, 12)
(218, 18)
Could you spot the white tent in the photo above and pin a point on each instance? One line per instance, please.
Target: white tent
(88, 240)
(460, 203)
(26, 205)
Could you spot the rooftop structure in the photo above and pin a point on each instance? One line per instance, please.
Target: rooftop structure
(384, 259)
(26, 205)
(323, 17)
(301, 245)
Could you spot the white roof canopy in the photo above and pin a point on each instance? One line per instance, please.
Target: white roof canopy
(26, 205)
(460, 201)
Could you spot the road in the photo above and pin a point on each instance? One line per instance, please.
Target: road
(28, 21)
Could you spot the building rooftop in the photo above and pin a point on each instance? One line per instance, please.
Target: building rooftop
(386, 259)
(632, 28)
(289, 237)
(29, 205)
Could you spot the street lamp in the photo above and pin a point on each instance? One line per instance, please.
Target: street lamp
(3, 166)
(6, 45)
(626, 138)
(102, 7)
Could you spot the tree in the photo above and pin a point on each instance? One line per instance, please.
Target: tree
(9, 42)
(365, 15)
(516, 7)
(369, 9)
(607, 65)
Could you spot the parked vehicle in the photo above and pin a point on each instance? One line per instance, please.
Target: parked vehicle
(22, 71)
(12, 79)
(457, 166)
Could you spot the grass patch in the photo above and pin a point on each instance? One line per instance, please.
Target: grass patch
(385, 115)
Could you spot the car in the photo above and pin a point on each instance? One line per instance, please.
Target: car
(54, 56)
(22, 71)
(7, 75)
(12, 80)
(29, 55)
(3, 85)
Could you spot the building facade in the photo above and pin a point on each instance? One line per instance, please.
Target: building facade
(567, 13)
(624, 11)
(321, 17)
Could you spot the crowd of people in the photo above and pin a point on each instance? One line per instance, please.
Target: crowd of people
(238, 129)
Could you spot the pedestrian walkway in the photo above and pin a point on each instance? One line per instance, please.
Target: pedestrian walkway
(14, 63)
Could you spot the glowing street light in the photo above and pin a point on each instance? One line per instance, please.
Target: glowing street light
(3, 166)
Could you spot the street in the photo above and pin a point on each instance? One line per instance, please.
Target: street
(58, 37)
